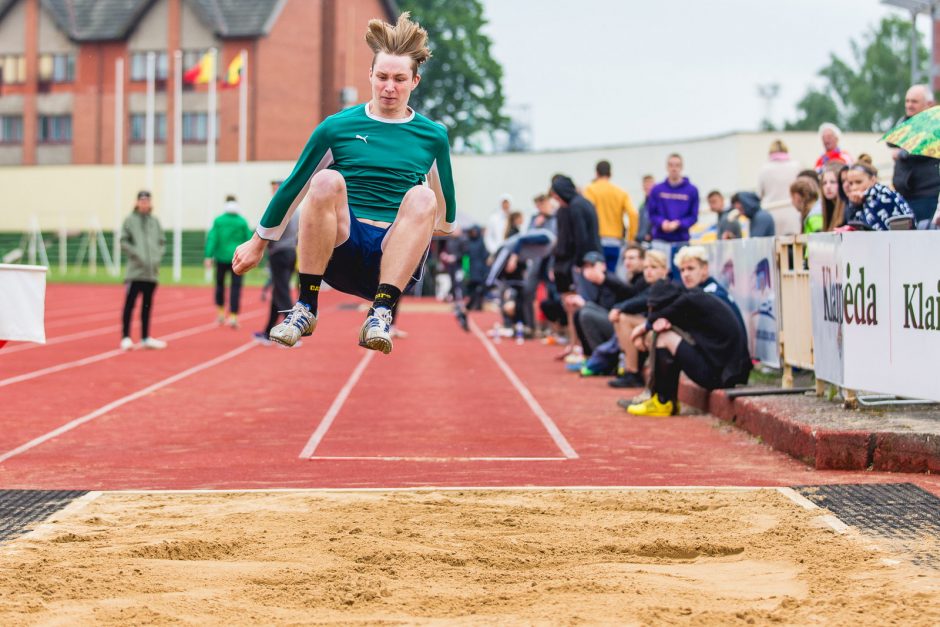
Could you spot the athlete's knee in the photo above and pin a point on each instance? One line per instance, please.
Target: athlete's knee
(420, 202)
(326, 185)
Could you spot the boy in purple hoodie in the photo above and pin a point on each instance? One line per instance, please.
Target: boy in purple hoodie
(673, 205)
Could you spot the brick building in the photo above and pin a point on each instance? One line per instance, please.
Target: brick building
(306, 58)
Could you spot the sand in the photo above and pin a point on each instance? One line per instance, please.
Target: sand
(470, 557)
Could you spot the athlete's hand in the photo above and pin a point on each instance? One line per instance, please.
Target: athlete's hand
(638, 337)
(248, 255)
(661, 324)
(614, 315)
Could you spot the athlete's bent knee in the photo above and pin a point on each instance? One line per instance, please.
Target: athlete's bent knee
(326, 184)
(420, 202)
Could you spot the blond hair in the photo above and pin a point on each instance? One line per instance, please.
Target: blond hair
(657, 258)
(688, 253)
(405, 39)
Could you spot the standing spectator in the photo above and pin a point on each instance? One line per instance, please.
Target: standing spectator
(228, 231)
(726, 227)
(477, 268)
(773, 187)
(917, 178)
(804, 194)
(833, 206)
(282, 260)
(576, 222)
(496, 226)
(643, 229)
(761, 224)
(829, 135)
(870, 202)
(673, 205)
(614, 210)
(143, 243)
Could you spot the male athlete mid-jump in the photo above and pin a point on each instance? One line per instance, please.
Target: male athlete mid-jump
(373, 184)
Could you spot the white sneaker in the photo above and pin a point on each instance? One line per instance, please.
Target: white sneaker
(376, 331)
(152, 343)
(127, 344)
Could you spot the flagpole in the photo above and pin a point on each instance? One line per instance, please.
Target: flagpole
(149, 126)
(242, 120)
(178, 165)
(210, 142)
(118, 157)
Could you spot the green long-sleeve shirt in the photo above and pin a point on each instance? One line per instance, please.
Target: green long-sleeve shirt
(227, 232)
(380, 160)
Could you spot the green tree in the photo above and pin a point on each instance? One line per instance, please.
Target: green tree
(866, 94)
(461, 85)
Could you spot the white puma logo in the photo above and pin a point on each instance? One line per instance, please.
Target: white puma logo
(365, 139)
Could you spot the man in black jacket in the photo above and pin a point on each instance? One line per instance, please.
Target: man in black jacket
(576, 221)
(697, 334)
(917, 178)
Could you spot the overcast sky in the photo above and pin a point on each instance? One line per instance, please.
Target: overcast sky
(601, 72)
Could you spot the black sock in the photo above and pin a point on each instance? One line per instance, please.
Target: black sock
(386, 296)
(310, 290)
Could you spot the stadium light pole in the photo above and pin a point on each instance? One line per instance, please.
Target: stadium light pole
(916, 7)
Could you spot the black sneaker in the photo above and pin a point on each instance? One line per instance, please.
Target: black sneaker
(627, 380)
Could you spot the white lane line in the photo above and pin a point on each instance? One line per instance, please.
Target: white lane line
(111, 328)
(35, 374)
(546, 420)
(440, 459)
(115, 313)
(72, 424)
(331, 413)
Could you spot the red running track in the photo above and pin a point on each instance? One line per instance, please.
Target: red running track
(446, 408)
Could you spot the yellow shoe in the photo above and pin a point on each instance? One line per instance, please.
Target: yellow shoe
(652, 407)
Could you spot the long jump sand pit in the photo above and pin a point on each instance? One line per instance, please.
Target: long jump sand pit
(468, 556)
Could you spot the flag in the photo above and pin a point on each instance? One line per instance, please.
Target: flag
(202, 72)
(233, 75)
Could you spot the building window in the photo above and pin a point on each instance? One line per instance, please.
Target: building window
(11, 129)
(196, 127)
(191, 58)
(13, 69)
(139, 66)
(55, 129)
(57, 68)
(139, 128)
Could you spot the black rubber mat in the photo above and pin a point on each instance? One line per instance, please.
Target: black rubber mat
(21, 508)
(901, 512)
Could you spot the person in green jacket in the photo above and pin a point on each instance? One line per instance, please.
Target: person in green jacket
(804, 193)
(143, 243)
(228, 231)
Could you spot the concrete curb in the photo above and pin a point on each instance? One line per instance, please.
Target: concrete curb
(823, 449)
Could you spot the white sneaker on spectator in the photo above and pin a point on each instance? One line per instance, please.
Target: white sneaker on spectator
(127, 344)
(152, 343)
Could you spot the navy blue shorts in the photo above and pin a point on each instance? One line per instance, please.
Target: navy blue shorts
(354, 266)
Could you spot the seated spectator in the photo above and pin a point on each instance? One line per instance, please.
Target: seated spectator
(773, 183)
(694, 333)
(630, 313)
(477, 268)
(833, 207)
(591, 317)
(872, 204)
(726, 227)
(805, 196)
(692, 262)
(761, 222)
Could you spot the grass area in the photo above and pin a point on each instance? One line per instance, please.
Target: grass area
(190, 275)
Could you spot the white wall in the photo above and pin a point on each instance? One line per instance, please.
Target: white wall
(72, 196)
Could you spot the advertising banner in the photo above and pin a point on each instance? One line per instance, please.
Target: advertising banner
(748, 270)
(22, 303)
(825, 285)
(888, 291)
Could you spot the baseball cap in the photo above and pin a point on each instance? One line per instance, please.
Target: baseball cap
(592, 257)
(143, 194)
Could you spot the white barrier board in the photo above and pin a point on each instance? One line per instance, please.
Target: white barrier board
(747, 268)
(825, 286)
(22, 303)
(888, 291)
